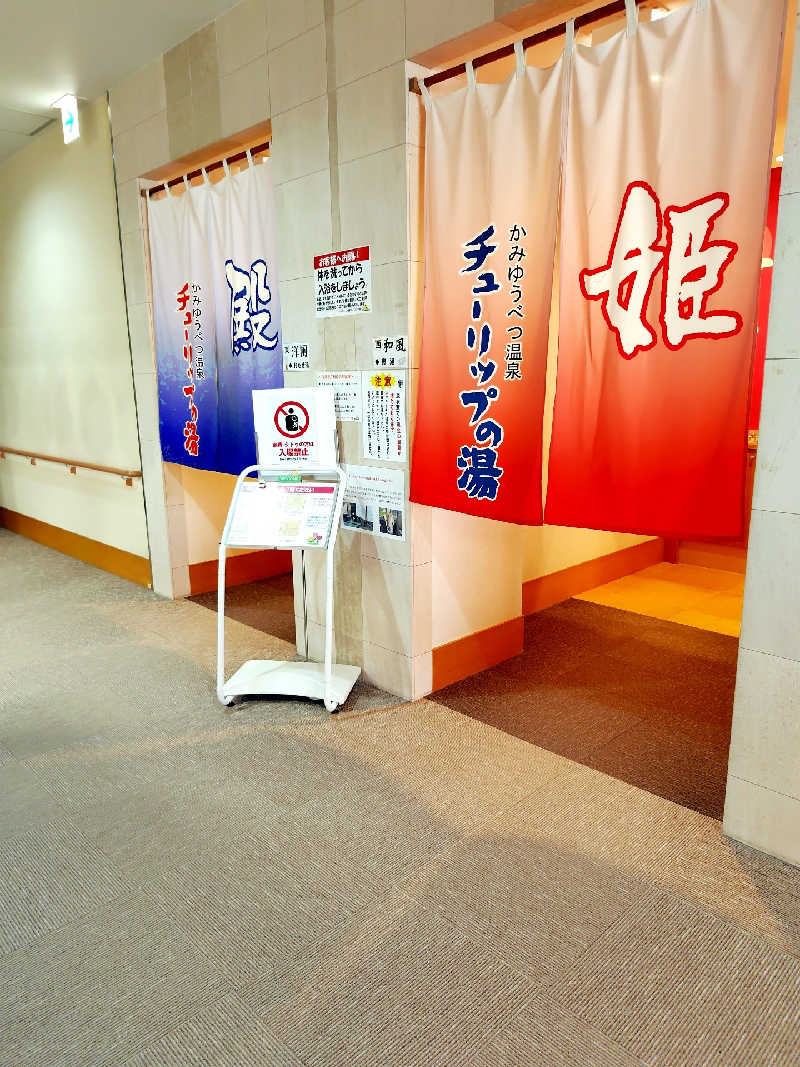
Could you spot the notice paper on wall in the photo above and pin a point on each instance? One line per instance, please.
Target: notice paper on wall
(343, 282)
(346, 387)
(374, 501)
(384, 433)
(390, 351)
(383, 423)
(296, 356)
(280, 515)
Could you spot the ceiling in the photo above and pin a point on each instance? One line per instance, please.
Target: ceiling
(83, 47)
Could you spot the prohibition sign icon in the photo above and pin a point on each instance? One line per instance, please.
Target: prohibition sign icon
(288, 410)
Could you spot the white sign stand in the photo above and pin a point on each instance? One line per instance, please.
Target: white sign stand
(325, 681)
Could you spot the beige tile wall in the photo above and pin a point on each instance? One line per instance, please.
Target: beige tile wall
(762, 805)
(331, 76)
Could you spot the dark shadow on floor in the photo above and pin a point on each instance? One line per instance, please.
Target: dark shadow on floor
(646, 701)
(266, 605)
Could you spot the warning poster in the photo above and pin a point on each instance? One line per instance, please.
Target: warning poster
(343, 283)
(384, 420)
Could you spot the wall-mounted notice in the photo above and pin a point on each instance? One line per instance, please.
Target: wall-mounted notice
(277, 515)
(296, 357)
(374, 501)
(384, 420)
(346, 387)
(344, 282)
(390, 351)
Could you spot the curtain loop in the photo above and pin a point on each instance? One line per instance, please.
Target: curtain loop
(206, 179)
(471, 80)
(519, 52)
(632, 16)
(569, 43)
(249, 155)
(426, 93)
(186, 184)
(166, 189)
(226, 167)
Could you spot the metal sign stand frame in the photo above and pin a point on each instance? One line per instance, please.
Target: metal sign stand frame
(325, 681)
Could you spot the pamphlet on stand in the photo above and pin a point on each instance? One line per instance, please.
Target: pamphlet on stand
(291, 498)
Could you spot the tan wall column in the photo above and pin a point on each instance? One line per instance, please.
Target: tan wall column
(763, 801)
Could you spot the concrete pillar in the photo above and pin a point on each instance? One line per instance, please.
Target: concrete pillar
(763, 800)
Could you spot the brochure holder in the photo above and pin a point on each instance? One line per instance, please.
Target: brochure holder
(288, 506)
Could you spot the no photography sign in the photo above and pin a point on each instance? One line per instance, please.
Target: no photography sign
(295, 427)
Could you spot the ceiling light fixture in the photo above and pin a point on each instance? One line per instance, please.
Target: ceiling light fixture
(68, 106)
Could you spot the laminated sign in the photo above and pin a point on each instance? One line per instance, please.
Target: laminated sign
(295, 428)
(283, 516)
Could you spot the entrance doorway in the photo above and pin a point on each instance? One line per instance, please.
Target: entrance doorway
(605, 682)
(632, 676)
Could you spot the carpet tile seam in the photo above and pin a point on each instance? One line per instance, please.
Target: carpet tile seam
(395, 891)
(127, 894)
(486, 945)
(45, 786)
(700, 916)
(232, 995)
(542, 992)
(638, 727)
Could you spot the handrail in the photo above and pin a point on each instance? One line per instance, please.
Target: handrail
(71, 464)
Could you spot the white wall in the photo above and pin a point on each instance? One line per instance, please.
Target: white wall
(65, 370)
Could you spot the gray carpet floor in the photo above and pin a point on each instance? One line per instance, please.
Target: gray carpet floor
(398, 884)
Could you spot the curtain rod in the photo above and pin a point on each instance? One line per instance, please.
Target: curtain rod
(211, 166)
(616, 8)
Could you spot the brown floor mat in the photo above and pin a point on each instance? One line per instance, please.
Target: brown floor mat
(647, 701)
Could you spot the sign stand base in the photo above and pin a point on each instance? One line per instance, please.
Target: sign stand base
(279, 678)
(324, 681)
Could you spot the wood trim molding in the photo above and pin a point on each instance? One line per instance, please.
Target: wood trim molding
(541, 593)
(240, 569)
(469, 655)
(106, 557)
